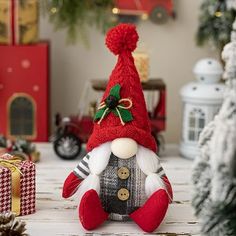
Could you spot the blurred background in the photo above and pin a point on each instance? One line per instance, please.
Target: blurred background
(171, 48)
(53, 51)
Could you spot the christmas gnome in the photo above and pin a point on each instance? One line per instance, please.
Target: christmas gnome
(121, 178)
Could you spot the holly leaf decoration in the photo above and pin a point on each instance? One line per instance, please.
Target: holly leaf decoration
(112, 104)
(100, 112)
(115, 91)
(125, 114)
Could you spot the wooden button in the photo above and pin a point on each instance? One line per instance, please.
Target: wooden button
(123, 194)
(123, 173)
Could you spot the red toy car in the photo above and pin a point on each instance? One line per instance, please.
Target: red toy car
(70, 134)
(158, 10)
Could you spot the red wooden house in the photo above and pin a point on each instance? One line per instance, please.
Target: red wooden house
(24, 91)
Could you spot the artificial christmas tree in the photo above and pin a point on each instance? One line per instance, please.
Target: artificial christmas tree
(214, 175)
(121, 177)
(215, 23)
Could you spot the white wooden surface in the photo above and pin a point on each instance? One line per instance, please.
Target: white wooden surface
(56, 216)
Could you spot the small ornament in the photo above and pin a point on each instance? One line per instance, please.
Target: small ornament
(10, 226)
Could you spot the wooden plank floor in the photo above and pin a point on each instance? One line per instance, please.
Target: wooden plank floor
(56, 216)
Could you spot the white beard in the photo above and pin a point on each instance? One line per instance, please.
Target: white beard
(147, 161)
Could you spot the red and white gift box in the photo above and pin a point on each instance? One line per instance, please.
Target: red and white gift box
(26, 187)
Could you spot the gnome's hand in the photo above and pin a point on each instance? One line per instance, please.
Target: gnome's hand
(71, 185)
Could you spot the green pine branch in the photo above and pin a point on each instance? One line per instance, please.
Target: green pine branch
(78, 16)
(212, 29)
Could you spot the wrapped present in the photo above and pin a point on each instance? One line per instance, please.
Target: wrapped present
(141, 60)
(17, 185)
(18, 21)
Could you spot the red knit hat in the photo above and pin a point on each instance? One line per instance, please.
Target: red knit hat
(122, 112)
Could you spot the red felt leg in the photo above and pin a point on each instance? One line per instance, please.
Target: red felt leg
(91, 213)
(70, 185)
(151, 214)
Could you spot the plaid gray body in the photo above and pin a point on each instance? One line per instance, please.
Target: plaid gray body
(111, 183)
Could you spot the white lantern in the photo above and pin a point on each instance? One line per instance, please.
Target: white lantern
(201, 101)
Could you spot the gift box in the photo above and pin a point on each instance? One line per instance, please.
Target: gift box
(141, 60)
(24, 91)
(17, 185)
(18, 21)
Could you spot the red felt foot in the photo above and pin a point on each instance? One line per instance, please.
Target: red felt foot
(70, 185)
(91, 213)
(151, 214)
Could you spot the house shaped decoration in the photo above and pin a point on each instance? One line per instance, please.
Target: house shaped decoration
(24, 91)
(201, 102)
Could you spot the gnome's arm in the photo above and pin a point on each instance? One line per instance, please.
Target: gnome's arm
(165, 180)
(168, 187)
(74, 179)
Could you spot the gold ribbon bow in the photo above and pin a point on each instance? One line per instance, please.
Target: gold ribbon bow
(11, 164)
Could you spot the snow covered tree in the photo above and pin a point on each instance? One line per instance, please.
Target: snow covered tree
(214, 174)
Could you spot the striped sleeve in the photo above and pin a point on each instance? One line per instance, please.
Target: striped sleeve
(82, 170)
(160, 171)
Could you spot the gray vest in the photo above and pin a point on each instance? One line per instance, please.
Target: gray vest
(122, 187)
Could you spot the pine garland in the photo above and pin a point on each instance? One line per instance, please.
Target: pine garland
(76, 16)
(215, 29)
(23, 145)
